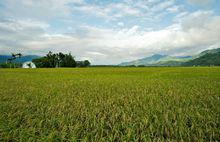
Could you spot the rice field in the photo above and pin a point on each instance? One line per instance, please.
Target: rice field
(110, 104)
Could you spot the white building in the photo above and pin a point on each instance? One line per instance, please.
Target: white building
(28, 64)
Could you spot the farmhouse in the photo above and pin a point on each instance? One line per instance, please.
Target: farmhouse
(28, 64)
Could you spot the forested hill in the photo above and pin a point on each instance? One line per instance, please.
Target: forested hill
(208, 59)
(205, 58)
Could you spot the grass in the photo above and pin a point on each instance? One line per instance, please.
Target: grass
(110, 104)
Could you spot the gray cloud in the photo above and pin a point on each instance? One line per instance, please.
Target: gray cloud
(36, 9)
(112, 46)
(189, 34)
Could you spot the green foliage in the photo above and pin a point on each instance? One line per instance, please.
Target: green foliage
(110, 104)
(55, 60)
(59, 60)
(85, 63)
(10, 65)
(4, 65)
(52, 59)
(41, 62)
(68, 61)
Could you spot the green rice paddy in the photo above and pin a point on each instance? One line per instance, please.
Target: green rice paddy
(110, 104)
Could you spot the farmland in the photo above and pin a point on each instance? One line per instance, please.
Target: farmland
(110, 104)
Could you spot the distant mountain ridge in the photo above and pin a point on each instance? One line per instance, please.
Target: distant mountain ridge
(157, 59)
(144, 61)
(4, 58)
(207, 57)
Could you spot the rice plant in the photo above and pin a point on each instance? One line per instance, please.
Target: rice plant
(110, 104)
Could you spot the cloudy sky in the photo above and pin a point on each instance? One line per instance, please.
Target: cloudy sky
(109, 31)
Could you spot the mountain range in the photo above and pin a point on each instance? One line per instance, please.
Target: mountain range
(205, 58)
(4, 58)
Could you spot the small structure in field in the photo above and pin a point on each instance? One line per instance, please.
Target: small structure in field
(28, 64)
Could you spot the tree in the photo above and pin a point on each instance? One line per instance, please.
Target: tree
(52, 59)
(86, 63)
(41, 62)
(68, 61)
(60, 57)
(55, 60)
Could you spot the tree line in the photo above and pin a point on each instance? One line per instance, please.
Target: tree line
(53, 60)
